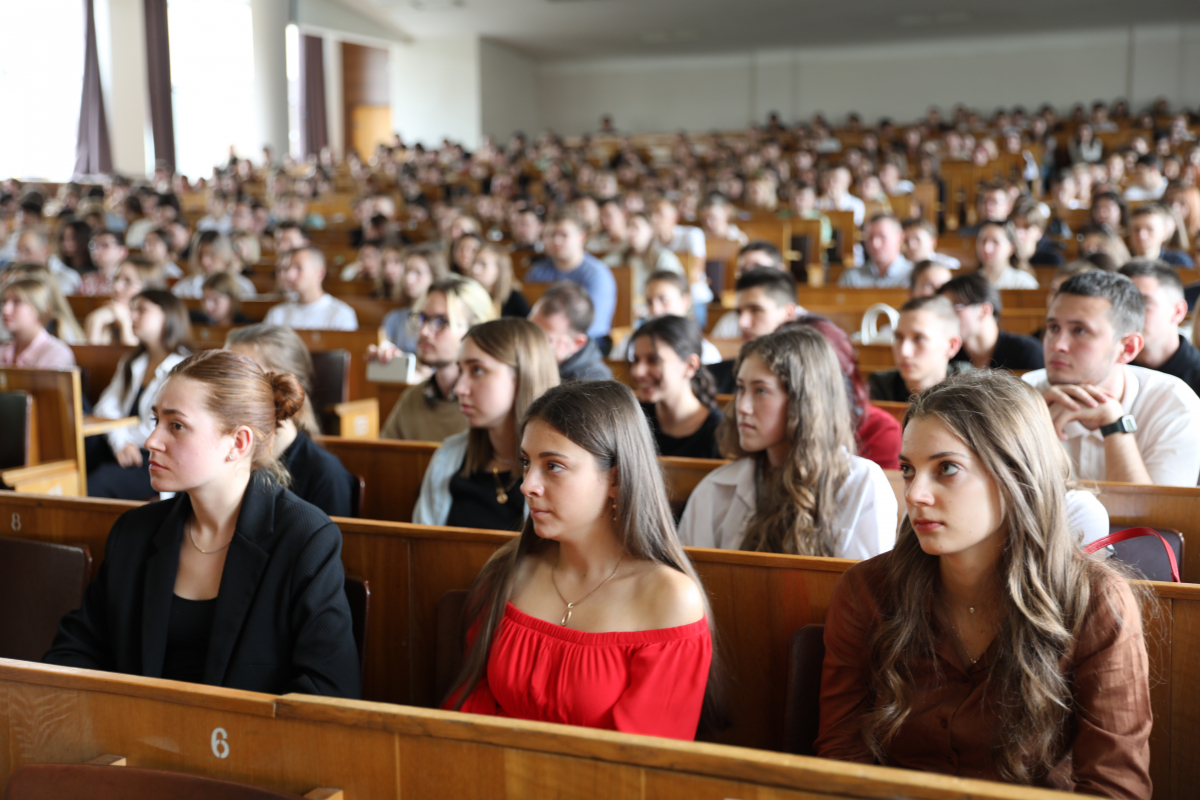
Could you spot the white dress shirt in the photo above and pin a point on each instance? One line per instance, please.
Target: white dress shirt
(1167, 413)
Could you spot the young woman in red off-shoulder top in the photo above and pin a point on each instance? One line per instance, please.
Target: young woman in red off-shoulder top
(593, 616)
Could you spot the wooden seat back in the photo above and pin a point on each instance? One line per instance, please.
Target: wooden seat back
(18, 429)
(39, 583)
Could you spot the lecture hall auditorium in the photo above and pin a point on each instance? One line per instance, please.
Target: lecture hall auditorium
(360, 198)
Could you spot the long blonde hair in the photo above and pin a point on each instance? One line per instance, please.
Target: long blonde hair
(798, 501)
(1047, 581)
(38, 288)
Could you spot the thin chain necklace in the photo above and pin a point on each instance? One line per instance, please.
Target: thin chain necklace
(566, 619)
(192, 536)
(502, 490)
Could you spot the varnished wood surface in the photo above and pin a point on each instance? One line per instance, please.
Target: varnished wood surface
(94, 426)
(57, 395)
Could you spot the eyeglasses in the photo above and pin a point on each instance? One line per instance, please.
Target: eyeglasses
(438, 323)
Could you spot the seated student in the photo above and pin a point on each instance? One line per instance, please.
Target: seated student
(317, 476)
(474, 479)
(420, 268)
(985, 645)
(1102, 240)
(1029, 220)
(643, 253)
(756, 255)
(312, 309)
(876, 432)
(157, 247)
(766, 299)
(595, 587)
(566, 260)
(27, 307)
(369, 262)
(235, 581)
(429, 411)
(117, 464)
(1148, 236)
(796, 486)
(222, 302)
(112, 323)
(1164, 348)
(1117, 422)
(996, 249)
(210, 253)
(886, 267)
(564, 313)
(714, 220)
(681, 238)
(920, 244)
(984, 345)
(675, 390)
(1148, 182)
(926, 338)
(108, 251)
(492, 268)
(667, 294)
(927, 277)
(802, 204)
(32, 247)
(61, 321)
(464, 247)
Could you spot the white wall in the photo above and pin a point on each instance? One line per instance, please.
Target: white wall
(324, 15)
(896, 80)
(509, 91)
(435, 91)
(121, 49)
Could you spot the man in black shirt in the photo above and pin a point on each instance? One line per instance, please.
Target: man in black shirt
(984, 344)
(1165, 349)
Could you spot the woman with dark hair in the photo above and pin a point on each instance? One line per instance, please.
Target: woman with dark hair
(72, 245)
(160, 324)
(596, 587)
(1109, 208)
(234, 581)
(986, 644)
(211, 252)
(473, 480)
(996, 249)
(876, 432)
(676, 391)
(423, 266)
(317, 476)
(796, 486)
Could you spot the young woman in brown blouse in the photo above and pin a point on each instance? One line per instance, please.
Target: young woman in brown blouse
(986, 645)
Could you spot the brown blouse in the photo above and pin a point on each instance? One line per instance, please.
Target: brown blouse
(950, 729)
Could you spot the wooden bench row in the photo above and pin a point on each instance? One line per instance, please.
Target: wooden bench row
(758, 601)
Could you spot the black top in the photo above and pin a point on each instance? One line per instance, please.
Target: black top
(515, 306)
(1013, 351)
(281, 623)
(187, 638)
(474, 505)
(701, 444)
(722, 373)
(319, 478)
(1185, 365)
(889, 385)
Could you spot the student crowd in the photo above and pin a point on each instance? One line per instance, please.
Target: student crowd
(977, 639)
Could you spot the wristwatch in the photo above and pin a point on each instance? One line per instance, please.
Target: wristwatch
(1125, 424)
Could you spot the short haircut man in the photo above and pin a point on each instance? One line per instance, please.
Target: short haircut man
(564, 312)
(1148, 236)
(1118, 422)
(567, 260)
(766, 299)
(758, 254)
(926, 338)
(1164, 348)
(986, 346)
(312, 309)
(886, 266)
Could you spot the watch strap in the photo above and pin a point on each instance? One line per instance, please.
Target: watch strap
(1125, 424)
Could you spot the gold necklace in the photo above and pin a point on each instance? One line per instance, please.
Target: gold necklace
(502, 490)
(192, 536)
(571, 606)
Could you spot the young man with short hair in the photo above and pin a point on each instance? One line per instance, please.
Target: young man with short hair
(920, 244)
(1148, 236)
(756, 255)
(312, 308)
(886, 267)
(1117, 422)
(984, 344)
(926, 338)
(564, 313)
(1164, 348)
(567, 260)
(766, 299)
(1148, 182)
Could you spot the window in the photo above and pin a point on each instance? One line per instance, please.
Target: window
(212, 82)
(41, 83)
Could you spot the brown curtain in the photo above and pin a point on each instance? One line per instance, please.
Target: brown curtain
(313, 132)
(93, 152)
(158, 72)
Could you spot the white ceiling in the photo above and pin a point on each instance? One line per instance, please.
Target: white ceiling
(561, 29)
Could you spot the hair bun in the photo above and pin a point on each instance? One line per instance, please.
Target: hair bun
(289, 395)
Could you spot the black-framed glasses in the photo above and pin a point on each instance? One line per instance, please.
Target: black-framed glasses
(437, 323)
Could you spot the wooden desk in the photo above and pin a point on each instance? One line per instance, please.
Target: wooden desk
(94, 426)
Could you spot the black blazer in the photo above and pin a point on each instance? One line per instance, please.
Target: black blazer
(282, 622)
(318, 477)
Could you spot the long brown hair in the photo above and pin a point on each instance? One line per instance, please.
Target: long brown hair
(604, 418)
(1047, 580)
(521, 345)
(797, 502)
(177, 330)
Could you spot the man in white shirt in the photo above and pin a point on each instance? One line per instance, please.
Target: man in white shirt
(920, 244)
(886, 266)
(1148, 181)
(664, 216)
(312, 309)
(837, 195)
(1117, 422)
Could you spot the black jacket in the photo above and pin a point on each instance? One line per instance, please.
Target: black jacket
(282, 622)
(318, 477)
(585, 364)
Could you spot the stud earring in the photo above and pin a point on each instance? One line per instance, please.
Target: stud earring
(614, 508)
(230, 458)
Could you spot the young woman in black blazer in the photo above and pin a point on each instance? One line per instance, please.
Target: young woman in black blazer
(234, 581)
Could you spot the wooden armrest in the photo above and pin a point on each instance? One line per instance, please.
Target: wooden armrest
(325, 793)
(357, 419)
(55, 477)
(109, 761)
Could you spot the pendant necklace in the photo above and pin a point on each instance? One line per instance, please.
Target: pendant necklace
(192, 536)
(566, 619)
